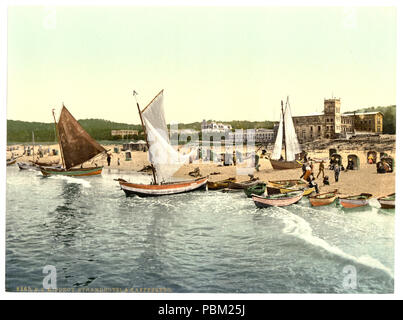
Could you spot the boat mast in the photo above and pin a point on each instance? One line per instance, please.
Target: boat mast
(284, 133)
(145, 134)
(58, 138)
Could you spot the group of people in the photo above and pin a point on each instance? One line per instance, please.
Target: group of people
(383, 166)
(309, 176)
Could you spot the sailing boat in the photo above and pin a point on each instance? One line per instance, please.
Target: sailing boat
(165, 160)
(286, 135)
(76, 147)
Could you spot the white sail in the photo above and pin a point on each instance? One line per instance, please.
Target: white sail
(165, 159)
(279, 141)
(291, 139)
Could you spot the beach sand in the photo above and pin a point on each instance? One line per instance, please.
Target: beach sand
(365, 179)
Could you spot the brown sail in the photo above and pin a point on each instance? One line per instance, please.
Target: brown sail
(77, 145)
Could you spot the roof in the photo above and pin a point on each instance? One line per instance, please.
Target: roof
(361, 113)
(310, 115)
(141, 142)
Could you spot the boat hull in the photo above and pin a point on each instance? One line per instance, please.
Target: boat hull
(284, 165)
(387, 204)
(153, 190)
(72, 172)
(27, 166)
(218, 185)
(262, 202)
(242, 185)
(257, 190)
(321, 202)
(347, 203)
(11, 162)
(307, 191)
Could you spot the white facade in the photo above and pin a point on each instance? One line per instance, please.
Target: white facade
(215, 127)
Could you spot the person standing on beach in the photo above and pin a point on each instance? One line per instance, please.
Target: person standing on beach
(108, 159)
(321, 169)
(118, 162)
(336, 172)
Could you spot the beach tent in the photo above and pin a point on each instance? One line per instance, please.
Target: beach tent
(371, 157)
(390, 161)
(355, 159)
(332, 151)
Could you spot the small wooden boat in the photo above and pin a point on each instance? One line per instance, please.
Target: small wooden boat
(287, 183)
(387, 202)
(162, 189)
(355, 201)
(323, 199)
(277, 200)
(218, 185)
(307, 191)
(11, 162)
(243, 184)
(258, 190)
(46, 164)
(27, 166)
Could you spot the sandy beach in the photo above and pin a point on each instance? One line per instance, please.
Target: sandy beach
(365, 179)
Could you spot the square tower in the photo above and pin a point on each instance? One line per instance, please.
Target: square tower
(332, 118)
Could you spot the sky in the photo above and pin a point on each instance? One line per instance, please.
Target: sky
(222, 63)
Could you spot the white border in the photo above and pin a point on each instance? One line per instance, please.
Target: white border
(195, 296)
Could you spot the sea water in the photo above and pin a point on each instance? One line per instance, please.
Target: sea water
(95, 238)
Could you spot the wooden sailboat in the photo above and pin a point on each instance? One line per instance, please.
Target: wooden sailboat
(165, 160)
(76, 147)
(286, 135)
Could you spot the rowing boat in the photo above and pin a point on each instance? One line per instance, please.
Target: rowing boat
(355, 201)
(11, 162)
(218, 185)
(287, 183)
(277, 200)
(307, 191)
(387, 202)
(258, 190)
(243, 184)
(323, 199)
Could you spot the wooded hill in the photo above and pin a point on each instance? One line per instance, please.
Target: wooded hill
(21, 131)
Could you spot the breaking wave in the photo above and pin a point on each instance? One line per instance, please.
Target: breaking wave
(300, 228)
(83, 182)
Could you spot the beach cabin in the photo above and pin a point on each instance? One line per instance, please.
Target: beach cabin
(331, 152)
(140, 145)
(383, 155)
(128, 156)
(371, 157)
(355, 160)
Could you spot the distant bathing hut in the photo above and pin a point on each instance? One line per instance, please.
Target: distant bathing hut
(353, 162)
(383, 155)
(331, 152)
(128, 156)
(371, 157)
(140, 145)
(387, 163)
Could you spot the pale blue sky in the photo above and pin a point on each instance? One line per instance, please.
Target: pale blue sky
(214, 63)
